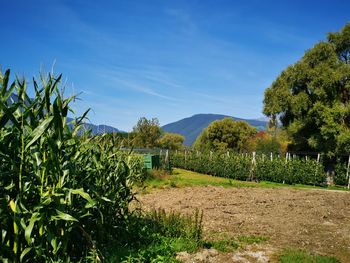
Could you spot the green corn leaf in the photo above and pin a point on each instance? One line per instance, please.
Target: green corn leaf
(28, 231)
(24, 253)
(106, 199)
(84, 195)
(5, 79)
(38, 131)
(9, 92)
(63, 216)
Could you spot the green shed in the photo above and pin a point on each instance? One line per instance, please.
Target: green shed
(151, 161)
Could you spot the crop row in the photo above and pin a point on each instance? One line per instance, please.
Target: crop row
(245, 167)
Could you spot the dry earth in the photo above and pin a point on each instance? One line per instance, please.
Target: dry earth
(315, 220)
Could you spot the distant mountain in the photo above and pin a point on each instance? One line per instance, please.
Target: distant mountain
(191, 127)
(98, 129)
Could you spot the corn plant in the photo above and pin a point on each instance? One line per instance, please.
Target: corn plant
(61, 194)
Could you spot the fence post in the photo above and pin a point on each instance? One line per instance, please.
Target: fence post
(347, 173)
(211, 155)
(253, 166)
(287, 157)
(271, 156)
(318, 160)
(166, 155)
(228, 154)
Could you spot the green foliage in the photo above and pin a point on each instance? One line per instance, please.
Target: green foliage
(312, 97)
(296, 256)
(62, 196)
(171, 141)
(223, 245)
(241, 167)
(223, 135)
(157, 236)
(146, 133)
(340, 175)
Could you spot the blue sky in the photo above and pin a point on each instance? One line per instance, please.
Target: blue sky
(164, 59)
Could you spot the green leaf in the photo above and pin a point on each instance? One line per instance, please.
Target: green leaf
(82, 193)
(28, 231)
(63, 216)
(38, 131)
(24, 253)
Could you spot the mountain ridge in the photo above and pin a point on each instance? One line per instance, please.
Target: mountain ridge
(191, 127)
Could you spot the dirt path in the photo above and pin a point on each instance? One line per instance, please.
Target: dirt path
(315, 220)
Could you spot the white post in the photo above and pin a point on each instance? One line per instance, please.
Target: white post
(347, 173)
(228, 154)
(271, 156)
(318, 160)
(253, 166)
(166, 156)
(306, 157)
(287, 157)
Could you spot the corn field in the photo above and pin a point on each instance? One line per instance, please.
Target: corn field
(62, 195)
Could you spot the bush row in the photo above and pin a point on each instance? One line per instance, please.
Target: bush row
(242, 167)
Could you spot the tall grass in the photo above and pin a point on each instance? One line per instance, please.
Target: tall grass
(61, 195)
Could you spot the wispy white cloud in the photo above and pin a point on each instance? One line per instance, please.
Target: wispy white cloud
(117, 81)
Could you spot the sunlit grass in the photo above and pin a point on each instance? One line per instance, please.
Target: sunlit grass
(299, 256)
(184, 178)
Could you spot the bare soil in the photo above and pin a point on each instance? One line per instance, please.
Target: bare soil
(315, 220)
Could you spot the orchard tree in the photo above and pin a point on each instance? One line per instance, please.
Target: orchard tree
(146, 133)
(312, 97)
(225, 134)
(171, 141)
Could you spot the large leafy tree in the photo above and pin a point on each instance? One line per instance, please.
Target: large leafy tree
(171, 141)
(146, 133)
(312, 97)
(225, 134)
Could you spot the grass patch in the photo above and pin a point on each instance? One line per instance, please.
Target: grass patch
(183, 178)
(249, 240)
(156, 237)
(299, 256)
(223, 245)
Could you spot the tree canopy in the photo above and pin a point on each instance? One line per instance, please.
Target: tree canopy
(146, 133)
(225, 134)
(171, 141)
(311, 97)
